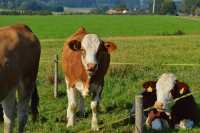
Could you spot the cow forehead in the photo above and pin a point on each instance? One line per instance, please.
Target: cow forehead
(91, 42)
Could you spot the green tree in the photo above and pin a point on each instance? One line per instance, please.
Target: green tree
(189, 6)
(168, 7)
(158, 6)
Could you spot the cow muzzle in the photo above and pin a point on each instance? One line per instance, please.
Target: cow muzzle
(160, 106)
(91, 68)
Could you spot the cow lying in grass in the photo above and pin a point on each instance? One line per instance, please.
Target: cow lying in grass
(184, 112)
(85, 61)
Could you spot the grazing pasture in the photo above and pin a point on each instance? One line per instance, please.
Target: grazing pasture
(140, 42)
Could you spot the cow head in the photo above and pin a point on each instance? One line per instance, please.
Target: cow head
(89, 46)
(149, 93)
(164, 85)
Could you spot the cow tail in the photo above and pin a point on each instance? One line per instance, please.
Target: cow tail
(34, 104)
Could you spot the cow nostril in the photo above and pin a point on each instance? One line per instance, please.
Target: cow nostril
(91, 66)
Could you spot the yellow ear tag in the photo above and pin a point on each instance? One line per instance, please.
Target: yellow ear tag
(181, 91)
(149, 89)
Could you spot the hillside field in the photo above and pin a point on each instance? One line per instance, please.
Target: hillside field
(146, 42)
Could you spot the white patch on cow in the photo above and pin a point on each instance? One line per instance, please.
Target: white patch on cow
(82, 89)
(185, 124)
(71, 109)
(156, 124)
(9, 107)
(164, 85)
(90, 44)
(94, 124)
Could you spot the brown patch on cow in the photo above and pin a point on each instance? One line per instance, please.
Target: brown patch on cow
(72, 59)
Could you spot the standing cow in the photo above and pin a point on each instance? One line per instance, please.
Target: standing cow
(19, 61)
(85, 61)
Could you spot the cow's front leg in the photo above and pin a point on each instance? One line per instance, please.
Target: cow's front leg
(94, 107)
(71, 109)
(94, 104)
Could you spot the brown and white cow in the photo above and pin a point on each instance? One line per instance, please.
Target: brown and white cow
(184, 112)
(19, 61)
(85, 61)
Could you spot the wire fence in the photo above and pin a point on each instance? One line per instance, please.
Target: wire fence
(128, 116)
(56, 60)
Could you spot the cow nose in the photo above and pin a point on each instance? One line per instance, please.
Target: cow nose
(159, 105)
(91, 66)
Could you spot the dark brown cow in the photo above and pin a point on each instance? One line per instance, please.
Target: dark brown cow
(19, 61)
(1, 113)
(85, 60)
(184, 112)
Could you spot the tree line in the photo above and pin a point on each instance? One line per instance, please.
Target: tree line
(161, 6)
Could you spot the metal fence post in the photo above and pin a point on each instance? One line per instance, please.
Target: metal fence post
(138, 114)
(56, 76)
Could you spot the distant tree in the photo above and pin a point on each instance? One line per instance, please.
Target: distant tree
(197, 11)
(158, 6)
(32, 5)
(120, 4)
(12, 4)
(168, 7)
(189, 6)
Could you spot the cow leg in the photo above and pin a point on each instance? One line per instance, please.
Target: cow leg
(71, 109)
(81, 106)
(94, 107)
(1, 113)
(9, 107)
(24, 95)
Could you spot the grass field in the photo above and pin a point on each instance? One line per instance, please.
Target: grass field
(106, 26)
(142, 45)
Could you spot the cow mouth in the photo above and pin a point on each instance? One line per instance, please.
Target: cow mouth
(90, 73)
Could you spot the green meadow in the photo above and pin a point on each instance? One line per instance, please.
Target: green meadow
(147, 45)
(106, 26)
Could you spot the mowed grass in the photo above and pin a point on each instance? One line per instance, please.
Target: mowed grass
(106, 26)
(148, 54)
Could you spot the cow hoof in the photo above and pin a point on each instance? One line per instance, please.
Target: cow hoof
(95, 128)
(70, 125)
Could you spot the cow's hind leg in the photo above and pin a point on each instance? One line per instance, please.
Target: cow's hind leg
(81, 106)
(9, 107)
(1, 113)
(72, 105)
(24, 95)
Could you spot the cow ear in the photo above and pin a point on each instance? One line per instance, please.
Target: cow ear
(110, 46)
(75, 45)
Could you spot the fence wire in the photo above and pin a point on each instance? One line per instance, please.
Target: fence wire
(128, 116)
